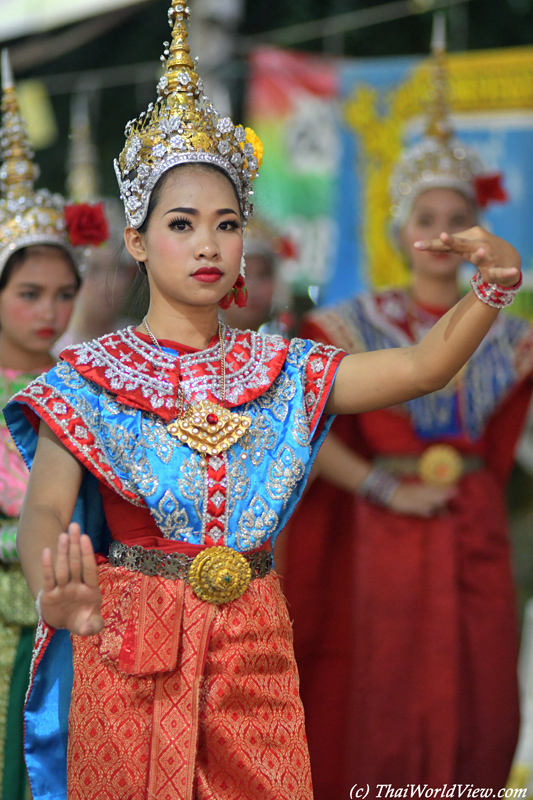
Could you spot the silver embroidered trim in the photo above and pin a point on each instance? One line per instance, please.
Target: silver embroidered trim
(253, 374)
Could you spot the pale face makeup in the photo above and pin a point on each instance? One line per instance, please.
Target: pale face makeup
(192, 247)
(36, 305)
(434, 212)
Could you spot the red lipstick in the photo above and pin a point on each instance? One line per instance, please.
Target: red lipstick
(207, 274)
(46, 333)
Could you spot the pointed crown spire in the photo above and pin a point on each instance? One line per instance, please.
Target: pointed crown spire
(18, 172)
(29, 217)
(438, 122)
(181, 127)
(82, 178)
(439, 159)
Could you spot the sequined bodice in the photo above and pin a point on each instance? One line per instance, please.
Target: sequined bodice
(115, 421)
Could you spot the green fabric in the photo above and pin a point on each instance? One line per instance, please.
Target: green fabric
(10, 387)
(8, 541)
(17, 606)
(15, 780)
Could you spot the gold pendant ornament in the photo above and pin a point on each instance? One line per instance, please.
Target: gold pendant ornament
(204, 426)
(440, 465)
(209, 428)
(219, 575)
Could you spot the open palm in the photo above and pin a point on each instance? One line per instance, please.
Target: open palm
(71, 596)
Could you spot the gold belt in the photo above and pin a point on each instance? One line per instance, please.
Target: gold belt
(216, 574)
(439, 465)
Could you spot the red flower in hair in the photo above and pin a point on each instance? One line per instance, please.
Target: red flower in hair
(488, 189)
(287, 249)
(86, 224)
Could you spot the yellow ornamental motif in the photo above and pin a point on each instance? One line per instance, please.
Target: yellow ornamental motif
(209, 428)
(440, 465)
(253, 139)
(219, 575)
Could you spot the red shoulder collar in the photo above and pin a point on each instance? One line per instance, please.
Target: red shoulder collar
(143, 377)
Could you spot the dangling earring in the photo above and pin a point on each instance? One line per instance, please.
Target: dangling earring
(238, 293)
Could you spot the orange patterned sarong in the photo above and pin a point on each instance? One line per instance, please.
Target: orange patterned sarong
(178, 699)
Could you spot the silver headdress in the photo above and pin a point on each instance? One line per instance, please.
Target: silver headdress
(182, 127)
(27, 217)
(439, 160)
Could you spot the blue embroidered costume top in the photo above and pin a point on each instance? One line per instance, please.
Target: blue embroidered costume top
(109, 401)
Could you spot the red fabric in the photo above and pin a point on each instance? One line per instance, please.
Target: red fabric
(126, 521)
(181, 349)
(133, 525)
(220, 717)
(71, 430)
(405, 629)
(133, 397)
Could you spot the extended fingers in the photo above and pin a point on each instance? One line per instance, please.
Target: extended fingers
(49, 578)
(74, 552)
(62, 569)
(435, 245)
(69, 566)
(90, 569)
(450, 242)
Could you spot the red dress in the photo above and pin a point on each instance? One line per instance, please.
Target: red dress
(178, 697)
(405, 628)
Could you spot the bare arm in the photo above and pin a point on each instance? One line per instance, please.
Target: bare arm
(344, 468)
(387, 377)
(61, 565)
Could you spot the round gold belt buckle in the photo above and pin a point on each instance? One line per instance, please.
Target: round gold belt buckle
(219, 575)
(440, 465)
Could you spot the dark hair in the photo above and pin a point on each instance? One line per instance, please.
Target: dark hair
(19, 257)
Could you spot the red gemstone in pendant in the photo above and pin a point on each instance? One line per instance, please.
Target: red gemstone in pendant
(212, 419)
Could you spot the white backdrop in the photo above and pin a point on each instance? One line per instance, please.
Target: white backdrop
(23, 17)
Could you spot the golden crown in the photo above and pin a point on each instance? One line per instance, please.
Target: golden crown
(182, 127)
(27, 217)
(439, 160)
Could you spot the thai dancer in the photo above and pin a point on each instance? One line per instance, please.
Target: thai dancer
(182, 446)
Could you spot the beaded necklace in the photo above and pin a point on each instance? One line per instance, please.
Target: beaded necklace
(206, 427)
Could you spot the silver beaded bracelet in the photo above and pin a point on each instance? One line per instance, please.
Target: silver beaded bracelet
(38, 604)
(492, 294)
(379, 487)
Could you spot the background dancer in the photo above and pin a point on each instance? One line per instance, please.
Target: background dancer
(39, 280)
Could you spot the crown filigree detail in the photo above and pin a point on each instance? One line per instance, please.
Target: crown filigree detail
(26, 216)
(29, 216)
(181, 127)
(439, 160)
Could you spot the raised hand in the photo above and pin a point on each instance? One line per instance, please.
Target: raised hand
(71, 596)
(497, 260)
